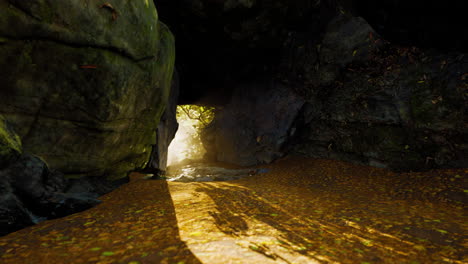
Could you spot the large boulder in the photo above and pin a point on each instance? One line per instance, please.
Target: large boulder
(30, 192)
(254, 126)
(384, 105)
(85, 84)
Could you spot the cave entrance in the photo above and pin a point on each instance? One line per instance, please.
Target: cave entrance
(187, 147)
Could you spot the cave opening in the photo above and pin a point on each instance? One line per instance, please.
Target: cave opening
(187, 146)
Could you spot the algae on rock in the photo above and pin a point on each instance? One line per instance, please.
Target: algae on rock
(85, 85)
(10, 143)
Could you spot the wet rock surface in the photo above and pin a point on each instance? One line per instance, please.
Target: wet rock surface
(203, 172)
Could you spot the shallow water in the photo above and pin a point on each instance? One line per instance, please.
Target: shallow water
(202, 173)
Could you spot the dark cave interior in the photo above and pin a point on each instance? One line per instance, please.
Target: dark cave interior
(217, 48)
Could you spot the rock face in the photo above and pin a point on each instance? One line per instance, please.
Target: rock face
(85, 84)
(166, 131)
(382, 105)
(30, 192)
(366, 101)
(254, 126)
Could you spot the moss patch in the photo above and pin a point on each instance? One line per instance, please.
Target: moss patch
(10, 143)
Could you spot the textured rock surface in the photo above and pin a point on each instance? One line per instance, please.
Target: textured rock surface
(369, 101)
(394, 107)
(166, 131)
(30, 192)
(84, 84)
(254, 126)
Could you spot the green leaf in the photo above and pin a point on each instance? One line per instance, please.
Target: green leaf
(441, 231)
(196, 234)
(253, 247)
(419, 247)
(358, 250)
(107, 253)
(274, 214)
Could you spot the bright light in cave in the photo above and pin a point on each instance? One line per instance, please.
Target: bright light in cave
(187, 144)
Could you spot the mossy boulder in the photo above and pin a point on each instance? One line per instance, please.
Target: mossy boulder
(84, 84)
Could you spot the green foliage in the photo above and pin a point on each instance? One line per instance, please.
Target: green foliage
(203, 114)
(10, 143)
(187, 144)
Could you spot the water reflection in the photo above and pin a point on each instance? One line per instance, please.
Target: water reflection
(200, 172)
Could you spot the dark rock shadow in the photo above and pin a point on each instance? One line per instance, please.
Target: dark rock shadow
(136, 222)
(331, 237)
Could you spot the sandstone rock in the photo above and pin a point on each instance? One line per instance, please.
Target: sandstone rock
(85, 84)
